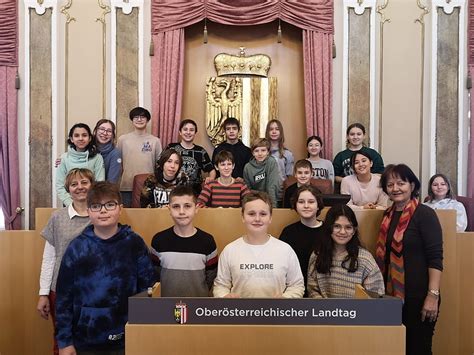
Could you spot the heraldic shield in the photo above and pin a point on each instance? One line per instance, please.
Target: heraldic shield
(243, 91)
(181, 313)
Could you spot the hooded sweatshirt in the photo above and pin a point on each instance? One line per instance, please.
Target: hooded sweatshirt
(74, 159)
(264, 176)
(112, 161)
(95, 279)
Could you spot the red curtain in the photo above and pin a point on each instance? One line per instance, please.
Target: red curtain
(314, 17)
(9, 163)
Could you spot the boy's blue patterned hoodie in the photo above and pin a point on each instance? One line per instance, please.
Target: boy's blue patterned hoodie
(95, 280)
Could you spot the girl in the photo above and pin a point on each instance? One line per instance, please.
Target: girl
(258, 265)
(82, 153)
(63, 226)
(340, 262)
(441, 197)
(355, 142)
(104, 135)
(304, 236)
(322, 168)
(157, 186)
(364, 187)
(274, 134)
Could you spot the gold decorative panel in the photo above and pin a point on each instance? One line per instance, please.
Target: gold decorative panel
(40, 112)
(127, 68)
(447, 112)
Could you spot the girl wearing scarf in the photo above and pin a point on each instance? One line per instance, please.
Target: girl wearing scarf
(409, 252)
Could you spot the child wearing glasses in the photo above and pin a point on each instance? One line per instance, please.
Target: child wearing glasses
(140, 152)
(102, 267)
(104, 136)
(340, 262)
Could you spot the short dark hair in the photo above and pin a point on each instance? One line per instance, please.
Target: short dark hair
(431, 195)
(139, 111)
(257, 195)
(302, 163)
(361, 152)
(102, 190)
(403, 172)
(186, 121)
(182, 190)
(222, 156)
(231, 121)
(314, 191)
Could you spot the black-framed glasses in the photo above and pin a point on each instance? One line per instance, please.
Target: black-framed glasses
(109, 206)
(139, 118)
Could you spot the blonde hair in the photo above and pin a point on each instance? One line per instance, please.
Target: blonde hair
(260, 142)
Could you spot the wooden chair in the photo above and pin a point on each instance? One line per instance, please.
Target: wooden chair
(138, 181)
(324, 185)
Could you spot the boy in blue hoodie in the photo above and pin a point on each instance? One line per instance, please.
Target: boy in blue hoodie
(101, 268)
(261, 172)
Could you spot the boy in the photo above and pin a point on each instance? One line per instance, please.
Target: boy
(140, 151)
(261, 173)
(187, 255)
(242, 154)
(225, 191)
(101, 268)
(302, 172)
(195, 158)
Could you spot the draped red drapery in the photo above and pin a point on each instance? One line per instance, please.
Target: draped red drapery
(9, 161)
(169, 18)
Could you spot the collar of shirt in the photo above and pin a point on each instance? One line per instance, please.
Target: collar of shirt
(72, 212)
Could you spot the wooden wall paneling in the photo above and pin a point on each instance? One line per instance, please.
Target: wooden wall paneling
(446, 338)
(23, 331)
(40, 96)
(465, 250)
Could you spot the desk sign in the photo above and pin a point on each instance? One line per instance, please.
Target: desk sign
(269, 311)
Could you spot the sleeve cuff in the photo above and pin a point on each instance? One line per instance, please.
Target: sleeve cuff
(44, 291)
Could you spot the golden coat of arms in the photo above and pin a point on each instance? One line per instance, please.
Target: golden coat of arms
(241, 90)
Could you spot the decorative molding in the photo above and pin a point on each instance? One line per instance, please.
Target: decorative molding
(101, 19)
(40, 8)
(448, 7)
(126, 7)
(421, 21)
(383, 20)
(359, 7)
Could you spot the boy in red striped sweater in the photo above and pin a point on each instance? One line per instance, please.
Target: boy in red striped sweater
(225, 191)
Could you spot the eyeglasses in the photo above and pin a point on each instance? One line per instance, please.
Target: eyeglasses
(139, 118)
(105, 131)
(109, 206)
(347, 228)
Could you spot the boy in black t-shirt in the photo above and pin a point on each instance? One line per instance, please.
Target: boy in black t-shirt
(195, 158)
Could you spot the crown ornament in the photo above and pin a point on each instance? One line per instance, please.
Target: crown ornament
(253, 65)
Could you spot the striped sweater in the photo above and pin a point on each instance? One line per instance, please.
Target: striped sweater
(340, 283)
(214, 194)
(187, 265)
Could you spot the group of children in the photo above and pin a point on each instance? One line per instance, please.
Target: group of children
(97, 263)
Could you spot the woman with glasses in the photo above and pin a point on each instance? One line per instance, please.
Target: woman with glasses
(341, 262)
(104, 135)
(63, 226)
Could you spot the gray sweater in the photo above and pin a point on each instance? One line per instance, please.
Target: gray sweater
(264, 176)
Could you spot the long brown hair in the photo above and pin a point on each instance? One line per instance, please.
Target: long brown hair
(281, 140)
